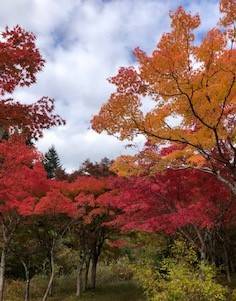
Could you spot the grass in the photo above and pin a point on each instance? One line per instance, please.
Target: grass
(119, 291)
(64, 290)
(114, 283)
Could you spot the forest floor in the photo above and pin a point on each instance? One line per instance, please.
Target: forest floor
(115, 291)
(120, 291)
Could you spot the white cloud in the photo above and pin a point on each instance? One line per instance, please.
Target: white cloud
(84, 42)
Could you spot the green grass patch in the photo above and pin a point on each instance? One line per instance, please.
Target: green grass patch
(64, 290)
(120, 291)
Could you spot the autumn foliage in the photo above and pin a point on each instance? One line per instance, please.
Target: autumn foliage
(192, 86)
(22, 177)
(20, 61)
(173, 200)
(45, 208)
(181, 185)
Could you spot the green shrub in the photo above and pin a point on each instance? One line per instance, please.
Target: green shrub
(179, 278)
(233, 296)
(117, 270)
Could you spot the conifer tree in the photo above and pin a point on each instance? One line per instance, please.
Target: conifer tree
(51, 162)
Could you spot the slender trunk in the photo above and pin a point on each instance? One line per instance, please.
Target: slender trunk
(6, 237)
(51, 290)
(213, 252)
(94, 271)
(87, 265)
(27, 281)
(2, 273)
(27, 290)
(202, 250)
(202, 243)
(232, 267)
(227, 264)
(46, 294)
(79, 282)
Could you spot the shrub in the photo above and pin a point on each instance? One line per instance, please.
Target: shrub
(179, 278)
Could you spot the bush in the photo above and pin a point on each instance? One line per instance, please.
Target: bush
(184, 284)
(179, 278)
(117, 270)
(233, 296)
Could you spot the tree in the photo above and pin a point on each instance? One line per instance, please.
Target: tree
(27, 253)
(22, 182)
(55, 213)
(51, 162)
(189, 203)
(20, 61)
(95, 169)
(22, 177)
(92, 198)
(193, 88)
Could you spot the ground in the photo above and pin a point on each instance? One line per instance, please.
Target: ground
(120, 291)
(114, 291)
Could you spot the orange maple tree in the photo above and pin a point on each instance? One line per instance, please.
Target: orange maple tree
(193, 88)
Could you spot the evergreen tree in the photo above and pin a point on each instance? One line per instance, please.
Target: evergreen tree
(51, 162)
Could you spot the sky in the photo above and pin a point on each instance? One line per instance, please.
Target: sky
(84, 42)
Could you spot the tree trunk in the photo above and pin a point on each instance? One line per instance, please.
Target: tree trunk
(27, 290)
(213, 250)
(79, 282)
(94, 271)
(46, 294)
(87, 265)
(2, 273)
(202, 243)
(27, 281)
(51, 290)
(227, 264)
(232, 267)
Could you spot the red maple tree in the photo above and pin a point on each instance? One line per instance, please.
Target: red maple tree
(22, 183)
(92, 198)
(186, 202)
(20, 61)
